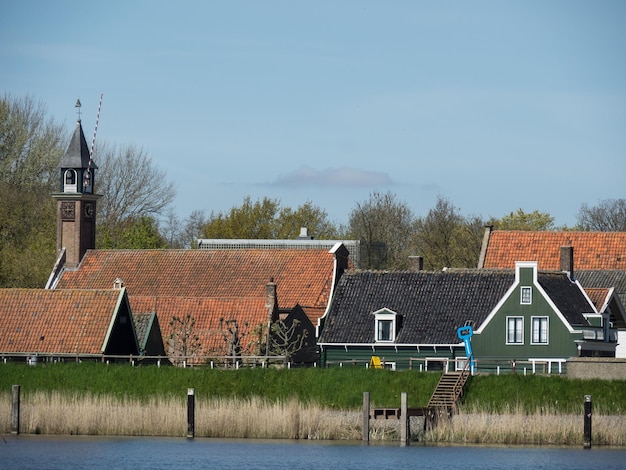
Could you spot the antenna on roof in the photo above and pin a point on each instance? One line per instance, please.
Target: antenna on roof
(87, 179)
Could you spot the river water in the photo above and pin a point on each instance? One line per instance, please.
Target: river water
(112, 453)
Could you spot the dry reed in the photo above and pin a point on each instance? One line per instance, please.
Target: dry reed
(517, 427)
(60, 413)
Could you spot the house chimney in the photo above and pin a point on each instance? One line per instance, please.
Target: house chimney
(304, 234)
(416, 263)
(270, 295)
(118, 284)
(567, 260)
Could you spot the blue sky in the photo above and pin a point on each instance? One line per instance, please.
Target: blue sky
(495, 105)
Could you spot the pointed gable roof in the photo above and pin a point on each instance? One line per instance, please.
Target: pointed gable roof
(57, 321)
(77, 153)
(593, 250)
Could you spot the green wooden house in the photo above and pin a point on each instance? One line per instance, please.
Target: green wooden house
(521, 318)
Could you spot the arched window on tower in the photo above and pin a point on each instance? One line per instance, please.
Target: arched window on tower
(69, 185)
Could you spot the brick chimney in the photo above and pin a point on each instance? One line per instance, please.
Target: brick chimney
(567, 260)
(271, 302)
(416, 263)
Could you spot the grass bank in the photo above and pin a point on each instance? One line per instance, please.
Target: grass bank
(303, 403)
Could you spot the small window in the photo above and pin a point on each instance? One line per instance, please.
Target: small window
(526, 294)
(515, 330)
(540, 330)
(385, 330)
(386, 325)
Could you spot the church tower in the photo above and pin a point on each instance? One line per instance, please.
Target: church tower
(76, 203)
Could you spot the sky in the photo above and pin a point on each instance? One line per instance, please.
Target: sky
(494, 105)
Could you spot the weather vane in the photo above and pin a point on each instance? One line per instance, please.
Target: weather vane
(78, 105)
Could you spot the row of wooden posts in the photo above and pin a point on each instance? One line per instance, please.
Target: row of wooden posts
(403, 414)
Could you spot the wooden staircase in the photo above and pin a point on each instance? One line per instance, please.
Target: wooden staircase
(449, 390)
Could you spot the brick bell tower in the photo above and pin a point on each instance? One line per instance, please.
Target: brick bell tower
(76, 203)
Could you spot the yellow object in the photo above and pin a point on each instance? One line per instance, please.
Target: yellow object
(375, 363)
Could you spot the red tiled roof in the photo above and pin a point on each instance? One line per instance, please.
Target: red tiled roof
(207, 312)
(592, 250)
(56, 321)
(302, 276)
(598, 296)
(211, 284)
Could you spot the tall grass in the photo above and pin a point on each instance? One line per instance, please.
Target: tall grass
(518, 427)
(58, 413)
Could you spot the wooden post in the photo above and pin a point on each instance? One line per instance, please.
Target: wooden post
(191, 408)
(587, 426)
(366, 416)
(15, 411)
(404, 420)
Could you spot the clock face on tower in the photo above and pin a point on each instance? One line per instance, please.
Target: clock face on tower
(89, 209)
(67, 210)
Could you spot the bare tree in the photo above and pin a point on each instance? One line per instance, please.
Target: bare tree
(384, 225)
(447, 239)
(131, 186)
(233, 336)
(183, 342)
(286, 340)
(608, 216)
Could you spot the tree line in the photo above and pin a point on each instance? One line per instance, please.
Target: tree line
(136, 210)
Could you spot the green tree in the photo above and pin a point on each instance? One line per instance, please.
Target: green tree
(27, 236)
(520, 220)
(31, 146)
(266, 219)
(608, 216)
(385, 226)
(133, 233)
(447, 239)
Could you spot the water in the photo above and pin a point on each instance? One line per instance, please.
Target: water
(73, 452)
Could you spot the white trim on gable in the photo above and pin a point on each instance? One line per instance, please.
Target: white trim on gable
(519, 265)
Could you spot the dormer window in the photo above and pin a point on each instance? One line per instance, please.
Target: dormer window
(69, 181)
(386, 326)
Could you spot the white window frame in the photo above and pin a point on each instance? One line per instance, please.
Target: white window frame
(385, 316)
(526, 295)
(69, 187)
(515, 329)
(535, 334)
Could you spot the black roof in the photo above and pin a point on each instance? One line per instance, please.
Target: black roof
(567, 296)
(77, 153)
(433, 304)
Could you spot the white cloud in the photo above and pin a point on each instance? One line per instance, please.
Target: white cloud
(333, 177)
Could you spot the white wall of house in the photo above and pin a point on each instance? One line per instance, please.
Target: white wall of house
(620, 350)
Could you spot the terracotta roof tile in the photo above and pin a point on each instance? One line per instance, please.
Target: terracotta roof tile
(598, 296)
(207, 313)
(302, 276)
(59, 321)
(592, 250)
